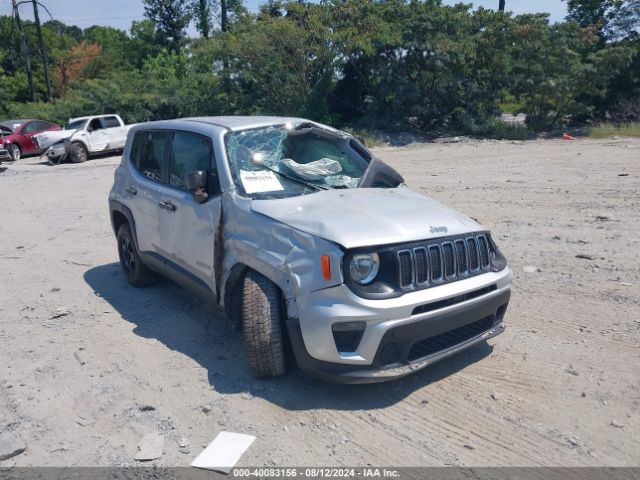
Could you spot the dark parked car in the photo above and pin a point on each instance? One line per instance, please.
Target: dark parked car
(17, 136)
(4, 155)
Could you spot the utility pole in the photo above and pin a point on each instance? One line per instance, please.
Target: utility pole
(43, 50)
(25, 50)
(501, 5)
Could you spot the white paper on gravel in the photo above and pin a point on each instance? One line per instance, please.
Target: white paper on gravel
(224, 452)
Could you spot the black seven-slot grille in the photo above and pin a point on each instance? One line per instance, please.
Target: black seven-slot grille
(443, 260)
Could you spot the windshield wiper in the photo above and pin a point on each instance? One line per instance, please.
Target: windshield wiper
(310, 185)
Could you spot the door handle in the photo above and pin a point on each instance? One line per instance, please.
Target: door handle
(132, 190)
(167, 205)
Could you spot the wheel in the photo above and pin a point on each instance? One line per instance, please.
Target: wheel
(136, 272)
(78, 152)
(16, 153)
(262, 327)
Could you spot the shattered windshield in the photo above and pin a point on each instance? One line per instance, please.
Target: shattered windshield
(77, 124)
(287, 161)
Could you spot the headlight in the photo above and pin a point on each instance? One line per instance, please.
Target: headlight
(364, 268)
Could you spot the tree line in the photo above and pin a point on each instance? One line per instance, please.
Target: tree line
(390, 65)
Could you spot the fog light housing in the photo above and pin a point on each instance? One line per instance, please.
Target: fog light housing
(347, 335)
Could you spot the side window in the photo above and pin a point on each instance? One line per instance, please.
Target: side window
(147, 153)
(95, 124)
(30, 128)
(190, 152)
(110, 122)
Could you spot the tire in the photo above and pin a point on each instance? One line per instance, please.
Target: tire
(15, 151)
(136, 272)
(78, 152)
(262, 327)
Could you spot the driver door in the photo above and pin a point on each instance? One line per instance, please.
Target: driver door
(98, 136)
(188, 228)
(27, 142)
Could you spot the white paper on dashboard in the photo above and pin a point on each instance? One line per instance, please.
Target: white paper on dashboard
(258, 182)
(224, 452)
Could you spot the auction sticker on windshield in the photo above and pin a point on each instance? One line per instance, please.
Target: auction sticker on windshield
(259, 182)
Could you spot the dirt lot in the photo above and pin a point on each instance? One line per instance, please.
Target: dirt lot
(560, 387)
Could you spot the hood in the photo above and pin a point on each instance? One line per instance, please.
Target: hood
(367, 216)
(46, 139)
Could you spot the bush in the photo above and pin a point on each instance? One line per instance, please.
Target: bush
(500, 130)
(608, 130)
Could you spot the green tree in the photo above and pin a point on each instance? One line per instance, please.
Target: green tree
(143, 42)
(623, 20)
(203, 15)
(613, 19)
(171, 18)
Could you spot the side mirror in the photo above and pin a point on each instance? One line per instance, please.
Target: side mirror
(197, 185)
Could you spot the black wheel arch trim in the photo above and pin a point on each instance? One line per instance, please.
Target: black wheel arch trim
(118, 207)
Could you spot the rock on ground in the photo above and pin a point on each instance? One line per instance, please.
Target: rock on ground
(150, 447)
(10, 445)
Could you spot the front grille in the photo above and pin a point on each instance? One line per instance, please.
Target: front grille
(436, 263)
(449, 262)
(422, 266)
(406, 273)
(461, 257)
(483, 249)
(432, 345)
(443, 261)
(473, 254)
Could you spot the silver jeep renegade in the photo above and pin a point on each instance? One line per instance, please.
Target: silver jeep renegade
(316, 246)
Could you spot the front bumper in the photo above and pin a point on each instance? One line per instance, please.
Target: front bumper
(4, 155)
(402, 335)
(56, 151)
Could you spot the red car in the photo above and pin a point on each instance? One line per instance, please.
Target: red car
(17, 136)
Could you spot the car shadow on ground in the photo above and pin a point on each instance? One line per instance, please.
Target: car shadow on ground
(192, 326)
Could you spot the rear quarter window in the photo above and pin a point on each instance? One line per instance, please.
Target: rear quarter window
(148, 153)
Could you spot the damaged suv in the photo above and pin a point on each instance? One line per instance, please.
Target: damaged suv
(313, 244)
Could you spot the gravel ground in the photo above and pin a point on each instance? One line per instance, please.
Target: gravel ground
(89, 365)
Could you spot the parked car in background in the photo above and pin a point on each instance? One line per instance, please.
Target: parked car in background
(85, 136)
(17, 136)
(4, 155)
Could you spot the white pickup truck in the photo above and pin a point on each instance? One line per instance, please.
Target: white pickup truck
(85, 136)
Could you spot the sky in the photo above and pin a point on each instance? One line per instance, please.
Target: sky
(120, 13)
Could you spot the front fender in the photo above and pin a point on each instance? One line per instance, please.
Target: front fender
(288, 257)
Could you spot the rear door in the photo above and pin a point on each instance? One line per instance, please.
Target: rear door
(115, 132)
(147, 163)
(188, 228)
